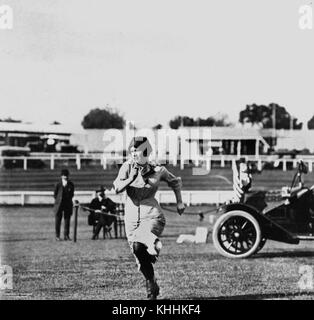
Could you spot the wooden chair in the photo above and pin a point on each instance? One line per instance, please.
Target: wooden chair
(119, 224)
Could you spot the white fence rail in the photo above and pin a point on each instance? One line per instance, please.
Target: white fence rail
(46, 197)
(206, 161)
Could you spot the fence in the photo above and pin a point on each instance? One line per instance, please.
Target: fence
(105, 160)
(165, 197)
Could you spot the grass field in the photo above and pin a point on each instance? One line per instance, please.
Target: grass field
(105, 269)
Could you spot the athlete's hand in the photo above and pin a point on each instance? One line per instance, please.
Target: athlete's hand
(133, 173)
(180, 208)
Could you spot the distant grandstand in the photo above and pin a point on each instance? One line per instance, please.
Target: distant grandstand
(207, 170)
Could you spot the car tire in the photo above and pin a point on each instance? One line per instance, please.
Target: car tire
(233, 228)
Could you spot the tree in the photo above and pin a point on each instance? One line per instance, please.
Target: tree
(157, 126)
(266, 115)
(310, 123)
(55, 123)
(217, 121)
(103, 119)
(10, 120)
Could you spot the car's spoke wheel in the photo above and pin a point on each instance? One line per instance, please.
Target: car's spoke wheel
(237, 234)
(261, 245)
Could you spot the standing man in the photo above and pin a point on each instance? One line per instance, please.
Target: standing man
(101, 204)
(63, 194)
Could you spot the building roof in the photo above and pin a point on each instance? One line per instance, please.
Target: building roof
(221, 133)
(33, 128)
(225, 133)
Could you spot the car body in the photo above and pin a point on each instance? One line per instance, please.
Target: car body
(242, 229)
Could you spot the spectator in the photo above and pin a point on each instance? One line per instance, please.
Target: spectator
(101, 204)
(63, 194)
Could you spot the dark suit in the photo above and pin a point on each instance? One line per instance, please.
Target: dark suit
(102, 220)
(63, 206)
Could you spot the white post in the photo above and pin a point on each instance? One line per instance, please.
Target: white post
(208, 163)
(197, 161)
(78, 162)
(181, 163)
(222, 161)
(52, 162)
(22, 199)
(295, 163)
(174, 160)
(189, 199)
(257, 148)
(259, 165)
(284, 165)
(25, 163)
(104, 162)
(239, 148)
(310, 166)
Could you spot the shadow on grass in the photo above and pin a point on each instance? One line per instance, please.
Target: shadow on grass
(261, 296)
(286, 254)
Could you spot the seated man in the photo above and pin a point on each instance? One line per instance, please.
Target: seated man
(242, 180)
(242, 183)
(102, 205)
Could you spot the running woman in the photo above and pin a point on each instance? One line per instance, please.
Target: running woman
(144, 218)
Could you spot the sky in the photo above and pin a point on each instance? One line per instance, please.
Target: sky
(154, 60)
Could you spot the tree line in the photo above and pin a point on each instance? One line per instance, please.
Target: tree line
(266, 116)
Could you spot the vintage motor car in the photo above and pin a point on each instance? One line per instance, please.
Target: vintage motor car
(242, 229)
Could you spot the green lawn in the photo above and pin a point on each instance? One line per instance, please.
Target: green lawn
(105, 269)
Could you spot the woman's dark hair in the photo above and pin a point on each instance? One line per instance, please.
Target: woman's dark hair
(141, 143)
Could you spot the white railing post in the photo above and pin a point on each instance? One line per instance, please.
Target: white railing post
(197, 161)
(78, 162)
(25, 163)
(22, 199)
(181, 163)
(259, 165)
(222, 161)
(104, 162)
(208, 164)
(52, 162)
(174, 161)
(189, 199)
(310, 166)
(284, 165)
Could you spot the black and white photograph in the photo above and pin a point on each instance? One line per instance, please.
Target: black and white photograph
(156, 150)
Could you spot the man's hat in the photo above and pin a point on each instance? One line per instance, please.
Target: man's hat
(65, 172)
(101, 189)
